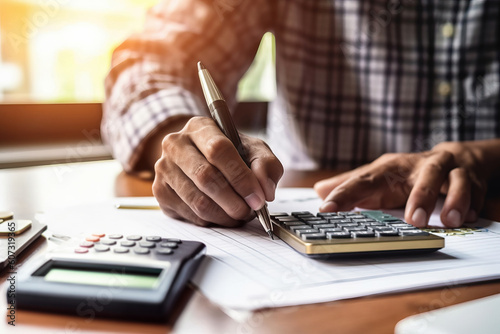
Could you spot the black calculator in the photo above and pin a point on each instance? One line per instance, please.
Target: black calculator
(351, 233)
(114, 275)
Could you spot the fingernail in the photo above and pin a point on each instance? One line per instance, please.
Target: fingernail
(272, 188)
(328, 206)
(419, 218)
(254, 201)
(454, 218)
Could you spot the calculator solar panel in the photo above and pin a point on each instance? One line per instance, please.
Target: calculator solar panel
(351, 233)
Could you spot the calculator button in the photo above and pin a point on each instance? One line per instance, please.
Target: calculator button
(179, 241)
(412, 232)
(134, 237)
(330, 229)
(101, 248)
(115, 236)
(362, 220)
(278, 214)
(295, 223)
(164, 251)
(93, 238)
(147, 244)
(326, 214)
(288, 219)
(299, 227)
(336, 218)
(127, 243)
(314, 219)
(120, 250)
(309, 231)
(100, 235)
(108, 242)
(406, 228)
(81, 250)
(382, 228)
(399, 225)
(153, 238)
(324, 225)
(313, 236)
(345, 221)
(169, 244)
(141, 251)
(335, 235)
(363, 234)
(299, 213)
(87, 244)
(354, 228)
(347, 224)
(375, 224)
(390, 233)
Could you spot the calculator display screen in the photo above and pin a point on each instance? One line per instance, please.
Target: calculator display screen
(114, 278)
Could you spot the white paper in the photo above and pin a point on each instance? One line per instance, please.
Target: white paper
(246, 270)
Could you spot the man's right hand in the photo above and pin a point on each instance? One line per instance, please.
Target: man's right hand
(201, 178)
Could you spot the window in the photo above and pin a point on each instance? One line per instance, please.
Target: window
(54, 57)
(59, 51)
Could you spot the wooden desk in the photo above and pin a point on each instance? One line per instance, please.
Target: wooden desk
(30, 190)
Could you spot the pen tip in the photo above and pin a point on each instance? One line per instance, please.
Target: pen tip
(270, 234)
(200, 66)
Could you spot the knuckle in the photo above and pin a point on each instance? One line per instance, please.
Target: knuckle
(169, 141)
(434, 167)
(202, 206)
(366, 178)
(445, 157)
(216, 148)
(426, 192)
(203, 175)
(194, 123)
(240, 176)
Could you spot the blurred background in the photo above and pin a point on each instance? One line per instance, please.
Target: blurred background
(54, 56)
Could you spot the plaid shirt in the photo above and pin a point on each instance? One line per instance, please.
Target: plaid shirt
(355, 79)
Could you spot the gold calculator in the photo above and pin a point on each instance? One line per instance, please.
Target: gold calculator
(351, 233)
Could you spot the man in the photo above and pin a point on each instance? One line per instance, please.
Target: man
(356, 80)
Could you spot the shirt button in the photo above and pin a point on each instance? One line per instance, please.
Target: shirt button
(448, 30)
(444, 88)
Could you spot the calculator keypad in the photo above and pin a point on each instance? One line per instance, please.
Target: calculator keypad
(350, 232)
(343, 225)
(136, 244)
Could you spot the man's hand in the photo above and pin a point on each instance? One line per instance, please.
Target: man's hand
(201, 178)
(458, 170)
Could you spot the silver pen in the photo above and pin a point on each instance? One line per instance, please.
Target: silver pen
(221, 115)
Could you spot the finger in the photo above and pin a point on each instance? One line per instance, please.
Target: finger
(479, 189)
(264, 164)
(324, 187)
(221, 153)
(199, 173)
(173, 206)
(358, 188)
(458, 198)
(200, 203)
(423, 196)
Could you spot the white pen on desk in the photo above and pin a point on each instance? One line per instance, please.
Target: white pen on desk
(137, 207)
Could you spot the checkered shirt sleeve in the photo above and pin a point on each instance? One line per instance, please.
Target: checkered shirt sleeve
(355, 79)
(154, 74)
